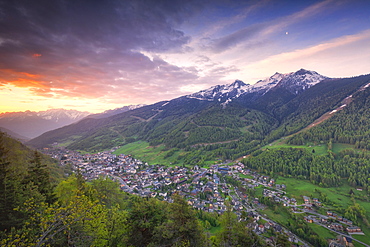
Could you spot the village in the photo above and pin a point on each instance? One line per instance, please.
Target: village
(205, 189)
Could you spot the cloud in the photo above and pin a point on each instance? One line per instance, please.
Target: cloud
(332, 58)
(252, 34)
(79, 48)
(142, 51)
(227, 22)
(243, 35)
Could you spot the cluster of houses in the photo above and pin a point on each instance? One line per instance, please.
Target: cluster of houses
(200, 186)
(343, 221)
(341, 241)
(204, 188)
(280, 197)
(334, 222)
(309, 203)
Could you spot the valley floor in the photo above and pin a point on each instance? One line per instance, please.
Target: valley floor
(207, 189)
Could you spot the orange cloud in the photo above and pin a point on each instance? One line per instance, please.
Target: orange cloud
(20, 79)
(36, 55)
(30, 75)
(24, 82)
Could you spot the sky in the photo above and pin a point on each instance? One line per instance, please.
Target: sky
(92, 55)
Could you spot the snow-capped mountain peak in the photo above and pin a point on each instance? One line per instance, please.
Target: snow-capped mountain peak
(57, 114)
(301, 80)
(220, 92)
(268, 83)
(31, 124)
(294, 82)
(116, 111)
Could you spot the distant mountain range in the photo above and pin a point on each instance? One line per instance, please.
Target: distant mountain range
(30, 124)
(226, 120)
(26, 125)
(116, 111)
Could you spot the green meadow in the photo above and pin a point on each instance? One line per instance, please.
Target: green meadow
(338, 195)
(319, 148)
(338, 198)
(322, 232)
(151, 154)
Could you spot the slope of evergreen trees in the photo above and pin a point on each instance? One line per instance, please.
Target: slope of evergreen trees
(350, 125)
(24, 174)
(324, 170)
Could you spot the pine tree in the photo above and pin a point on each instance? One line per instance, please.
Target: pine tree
(38, 174)
(6, 203)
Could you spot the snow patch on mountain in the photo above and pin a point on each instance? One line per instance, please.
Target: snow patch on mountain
(295, 82)
(219, 92)
(301, 80)
(109, 113)
(52, 114)
(57, 114)
(31, 124)
(268, 83)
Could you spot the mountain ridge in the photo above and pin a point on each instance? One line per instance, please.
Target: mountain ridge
(115, 111)
(295, 82)
(235, 129)
(31, 123)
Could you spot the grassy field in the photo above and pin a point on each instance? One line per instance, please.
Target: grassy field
(70, 140)
(338, 195)
(278, 217)
(245, 176)
(319, 149)
(362, 238)
(322, 232)
(153, 155)
(157, 154)
(358, 244)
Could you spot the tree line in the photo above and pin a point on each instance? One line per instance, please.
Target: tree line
(325, 170)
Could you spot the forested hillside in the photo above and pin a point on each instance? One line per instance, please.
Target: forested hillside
(326, 170)
(24, 175)
(314, 102)
(214, 130)
(350, 125)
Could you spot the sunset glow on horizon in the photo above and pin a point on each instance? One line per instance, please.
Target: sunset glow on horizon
(94, 56)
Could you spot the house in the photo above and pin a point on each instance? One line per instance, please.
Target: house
(324, 219)
(310, 219)
(341, 241)
(347, 221)
(306, 200)
(194, 192)
(353, 229)
(336, 226)
(334, 243)
(261, 228)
